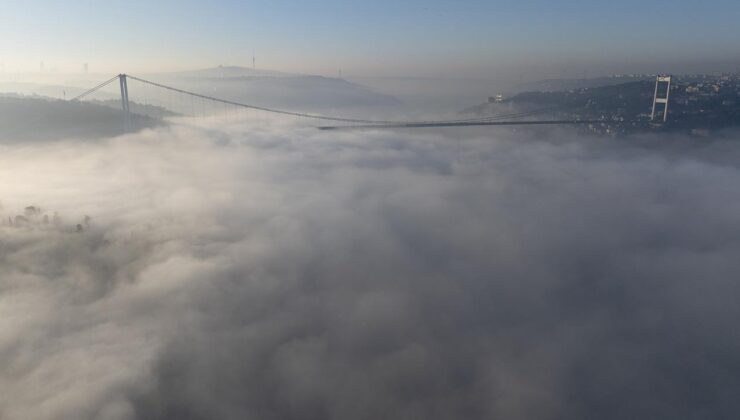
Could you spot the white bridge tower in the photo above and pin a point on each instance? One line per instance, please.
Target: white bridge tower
(663, 99)
(124, 102)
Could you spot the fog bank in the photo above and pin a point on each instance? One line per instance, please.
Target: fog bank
(237, 271)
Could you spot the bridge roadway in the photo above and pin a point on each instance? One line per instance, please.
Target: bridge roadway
(457, 124)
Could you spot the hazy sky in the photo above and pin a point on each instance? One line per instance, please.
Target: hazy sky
(473, 38)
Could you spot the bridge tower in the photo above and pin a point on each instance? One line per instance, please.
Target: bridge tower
(663, 99)
(124, 102)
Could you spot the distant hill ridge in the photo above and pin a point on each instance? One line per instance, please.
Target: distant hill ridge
(555, 85)
(227, 72)
(276, 88)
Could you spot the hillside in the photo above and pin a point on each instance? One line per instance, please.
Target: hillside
(626, 108)
(277, 89)
(37, 119)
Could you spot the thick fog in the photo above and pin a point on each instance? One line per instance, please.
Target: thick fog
(241, 271)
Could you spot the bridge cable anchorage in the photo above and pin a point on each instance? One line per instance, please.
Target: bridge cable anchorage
(340, 119)
(95, 89)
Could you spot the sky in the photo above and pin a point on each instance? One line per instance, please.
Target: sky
(439, 38)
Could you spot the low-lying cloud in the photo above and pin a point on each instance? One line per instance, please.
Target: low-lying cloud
(285, 273)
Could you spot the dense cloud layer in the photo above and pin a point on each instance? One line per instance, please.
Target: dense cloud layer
(288, 273)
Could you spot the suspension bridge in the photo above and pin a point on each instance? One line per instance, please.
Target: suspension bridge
(337, 121)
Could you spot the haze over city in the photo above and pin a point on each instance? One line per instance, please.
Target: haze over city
(369, 210)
